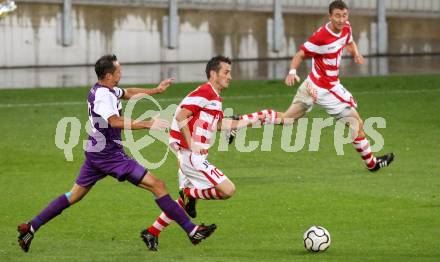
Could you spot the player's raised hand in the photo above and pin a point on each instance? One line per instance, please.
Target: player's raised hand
(162, 87)
(359, 59)
(159, 124)
(291, 79)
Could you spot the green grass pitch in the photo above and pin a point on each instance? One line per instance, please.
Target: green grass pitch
(391, 215)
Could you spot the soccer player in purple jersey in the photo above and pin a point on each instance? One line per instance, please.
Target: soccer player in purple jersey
(105, 156)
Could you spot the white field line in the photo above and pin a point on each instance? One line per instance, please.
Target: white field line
(177, 99)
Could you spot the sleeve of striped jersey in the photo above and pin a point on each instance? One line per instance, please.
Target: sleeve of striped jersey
(312, 47)
(119, 92)
(103, 104)
(195, 101)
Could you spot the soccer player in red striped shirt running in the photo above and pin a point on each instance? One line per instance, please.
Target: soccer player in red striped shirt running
(322, 85)
(194, 125)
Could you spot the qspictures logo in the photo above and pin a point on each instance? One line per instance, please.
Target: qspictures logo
(303, 134)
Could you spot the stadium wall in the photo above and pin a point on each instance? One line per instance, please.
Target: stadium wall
(32, 35)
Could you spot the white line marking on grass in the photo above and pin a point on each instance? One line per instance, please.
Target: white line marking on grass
(44, 104)
(73, 103)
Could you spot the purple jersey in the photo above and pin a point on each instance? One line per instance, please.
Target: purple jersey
(104, 153)
(103, 102)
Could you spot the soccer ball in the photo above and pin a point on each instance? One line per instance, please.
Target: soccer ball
(316, 239)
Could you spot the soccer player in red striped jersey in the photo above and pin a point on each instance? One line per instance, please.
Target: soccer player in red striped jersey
(322, 85)
(194, 125)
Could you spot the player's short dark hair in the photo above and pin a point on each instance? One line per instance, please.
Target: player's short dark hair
(214, 64)
(338, 4)
(105, 65)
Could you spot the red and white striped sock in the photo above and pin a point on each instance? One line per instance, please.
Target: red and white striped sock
(270, 116)
(162, 221)
(210, 193)
(362, 145)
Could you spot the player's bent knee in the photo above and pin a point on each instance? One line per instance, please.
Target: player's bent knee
(153, 184)
(228, 192)
(306, 107)
(297, 110)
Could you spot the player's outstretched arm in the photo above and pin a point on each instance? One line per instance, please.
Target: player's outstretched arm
(125, 123)
(162, 87)
(292, 77)
(227, 124)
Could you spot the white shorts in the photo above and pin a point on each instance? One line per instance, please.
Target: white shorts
(334, 100)
(196, 172)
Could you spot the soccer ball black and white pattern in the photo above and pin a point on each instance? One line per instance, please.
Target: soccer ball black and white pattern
(316, 239)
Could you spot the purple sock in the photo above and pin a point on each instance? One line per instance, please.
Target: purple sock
(52, 210)
(175, 212)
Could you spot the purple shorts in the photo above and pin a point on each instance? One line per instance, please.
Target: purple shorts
(117, 165)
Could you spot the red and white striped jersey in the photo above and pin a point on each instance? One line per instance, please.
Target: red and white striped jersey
(325, 47)
(206, 105)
